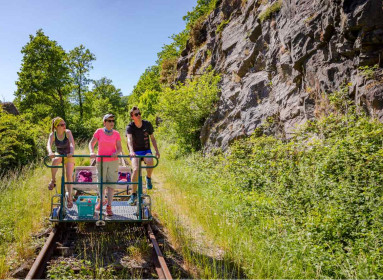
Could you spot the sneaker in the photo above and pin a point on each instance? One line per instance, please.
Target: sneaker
(149, 184)
(109, 210)
(133, 199)
(104, 202)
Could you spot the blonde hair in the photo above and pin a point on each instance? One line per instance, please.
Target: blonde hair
(55, 122)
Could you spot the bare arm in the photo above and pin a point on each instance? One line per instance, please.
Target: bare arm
(119, 149)
(154, 142)
(49, 145)
(130, 145)
(91, 147)
(71, 142)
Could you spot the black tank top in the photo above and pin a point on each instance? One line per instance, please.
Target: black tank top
(62, 147)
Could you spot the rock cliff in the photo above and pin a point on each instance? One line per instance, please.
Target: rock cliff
(279, 60)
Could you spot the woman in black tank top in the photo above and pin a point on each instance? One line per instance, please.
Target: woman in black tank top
(63, 141)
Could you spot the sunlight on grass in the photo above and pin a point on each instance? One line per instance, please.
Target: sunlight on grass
(24, 210)
(196, 228)
(202, 224)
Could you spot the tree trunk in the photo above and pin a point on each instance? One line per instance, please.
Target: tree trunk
(80, 100)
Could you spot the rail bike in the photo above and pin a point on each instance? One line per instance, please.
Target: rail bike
(83, 209)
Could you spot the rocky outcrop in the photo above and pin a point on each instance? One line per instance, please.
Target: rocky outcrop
(278, 59)
(10, 108)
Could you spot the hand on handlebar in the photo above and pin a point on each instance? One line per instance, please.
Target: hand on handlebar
(114, 155)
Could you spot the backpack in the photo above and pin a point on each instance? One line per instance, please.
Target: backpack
(84, 176)
(123, 177)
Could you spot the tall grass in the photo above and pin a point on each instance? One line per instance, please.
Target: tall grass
(24, 208)
(307, 208)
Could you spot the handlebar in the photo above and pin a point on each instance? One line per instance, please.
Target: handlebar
(85, 156)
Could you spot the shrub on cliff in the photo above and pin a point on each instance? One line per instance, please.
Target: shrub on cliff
(185, 108)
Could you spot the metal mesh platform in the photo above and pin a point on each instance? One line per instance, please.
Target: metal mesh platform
(121, 210)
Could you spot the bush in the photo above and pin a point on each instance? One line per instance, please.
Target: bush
(21, 141)
(185, 108)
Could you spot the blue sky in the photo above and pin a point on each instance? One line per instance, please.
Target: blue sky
(124, 35)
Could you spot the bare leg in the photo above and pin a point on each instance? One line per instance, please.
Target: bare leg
(135, 164)
(149, 161)
(56, 161)
(110, 196)
(69, 177)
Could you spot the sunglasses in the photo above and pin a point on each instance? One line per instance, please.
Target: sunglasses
(110, 121)
(137, 114)
(61, 124)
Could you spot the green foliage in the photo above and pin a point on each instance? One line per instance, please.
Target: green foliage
(149, 81)
(21, 141)
(222, 25)
(173, 50)
(307, 208)
(105, 92)
(167, 58)
(64, 270)
(202, 9)
(80, 63)
(43, 85)
(368, 71)
(273, 8)
(148, 104)
(184, 109)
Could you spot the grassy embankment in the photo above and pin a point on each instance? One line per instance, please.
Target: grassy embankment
(307, 208)
(24, 211)
(24, 207)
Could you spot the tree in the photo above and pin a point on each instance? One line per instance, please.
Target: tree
(44, 83)
(149, 81)
(80, 63)
(105, 96)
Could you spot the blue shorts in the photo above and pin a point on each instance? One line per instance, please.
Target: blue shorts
(143, 153)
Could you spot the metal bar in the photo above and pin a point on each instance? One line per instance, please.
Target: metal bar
(101, 187)
(39, 260)
(139, 191)
(62, 191)
(161, 259)
(101, 183)
(94, 183)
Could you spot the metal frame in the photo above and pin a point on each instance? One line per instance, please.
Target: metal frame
(101, 183)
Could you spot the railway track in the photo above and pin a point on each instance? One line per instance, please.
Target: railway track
(103, 246)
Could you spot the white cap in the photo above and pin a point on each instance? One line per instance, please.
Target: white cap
(107, 116)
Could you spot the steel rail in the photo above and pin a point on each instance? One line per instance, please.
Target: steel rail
(38, 266)
(163, 272)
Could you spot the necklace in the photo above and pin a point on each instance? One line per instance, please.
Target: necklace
(108, 131)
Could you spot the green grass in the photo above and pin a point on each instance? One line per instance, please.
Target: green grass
(274, 8)
(307, 208)
(222, 25)
(24, 211)
(24, 208)
(116, 251)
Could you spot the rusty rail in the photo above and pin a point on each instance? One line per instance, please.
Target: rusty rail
(162, 271)
(40, 262)
(37, 269)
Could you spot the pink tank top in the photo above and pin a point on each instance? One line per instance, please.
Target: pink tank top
(107, 144)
